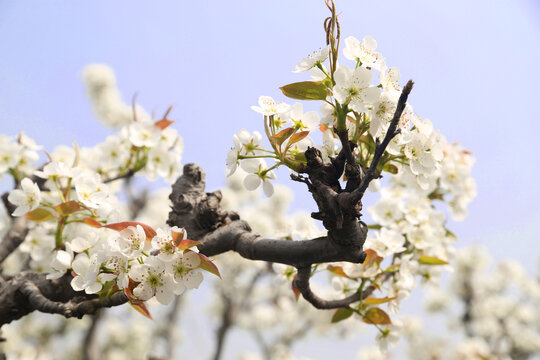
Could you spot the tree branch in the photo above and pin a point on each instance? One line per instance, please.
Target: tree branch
(301, 282)
(13, 238)
(28, 291)
(351, 199)
(220, 231)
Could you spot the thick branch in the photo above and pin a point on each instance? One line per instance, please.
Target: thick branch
(27, 292)
(13, 238)
(221, 231)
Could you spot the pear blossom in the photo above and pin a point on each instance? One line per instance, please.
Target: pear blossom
(262, 175)
(154, 280)
(26, 199)
(132, 241)
(244, 143)
(267, 106)
(56, 169)
(181, 266)
(39, 242)
(386, 242)
(144, 134)
(304, 121)
(363, 51)
(86, 278)
(313, 60)
(389, 78)
(389, 337)
(353, 87)
(117, 264)
(61, 262)
(91, 191)
(164, 245)
(9, 153)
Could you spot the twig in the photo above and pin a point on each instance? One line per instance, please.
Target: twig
(226, 323)
(350, 199)
(90, 346)
(302, 284)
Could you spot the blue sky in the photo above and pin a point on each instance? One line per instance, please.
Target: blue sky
(475, 64)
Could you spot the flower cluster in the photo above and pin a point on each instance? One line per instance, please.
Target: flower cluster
(75, 214)
(409, 238)
(352, 101)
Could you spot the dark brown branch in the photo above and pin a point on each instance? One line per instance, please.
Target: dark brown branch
(29, 291)
(221, 231)
(13, 238)
(350, 199)
(302, 284)
(237, 237)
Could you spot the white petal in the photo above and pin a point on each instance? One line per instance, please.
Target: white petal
(252, 181)
(164, 295)
(93, 288)
(268, 188)
(191, 259)
(143, 292)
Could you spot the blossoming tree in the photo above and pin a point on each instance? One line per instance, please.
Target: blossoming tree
(78, 240)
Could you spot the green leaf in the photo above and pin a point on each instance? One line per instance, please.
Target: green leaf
(391, 168)
(430, 260)
(67, 208)
(305, 90)
(208, 265)
(39, 215)
(281, 136)
(297, 137)
(341, 314)
(376, 316)
(376, 301)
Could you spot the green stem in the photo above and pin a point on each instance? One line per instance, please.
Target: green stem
(240, 157)
(59, 230)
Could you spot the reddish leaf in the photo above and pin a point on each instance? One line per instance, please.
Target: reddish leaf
(337, 270)
(186, 244)
(295, 290)
(371, 256)
(141, 308)
(297, 137)
(92, 222)
(177, 236)
(341, 314)
(376, 316)
(376, 301)
(137, 304)
(430, 260)
(208, 265)
(163, 123)
(281, 136)
(323, 127)
(67, 208)
(148, 230)
(39, 215)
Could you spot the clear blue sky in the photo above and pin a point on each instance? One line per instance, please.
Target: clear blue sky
(475, 64)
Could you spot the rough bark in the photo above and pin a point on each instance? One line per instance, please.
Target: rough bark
(27, 292)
